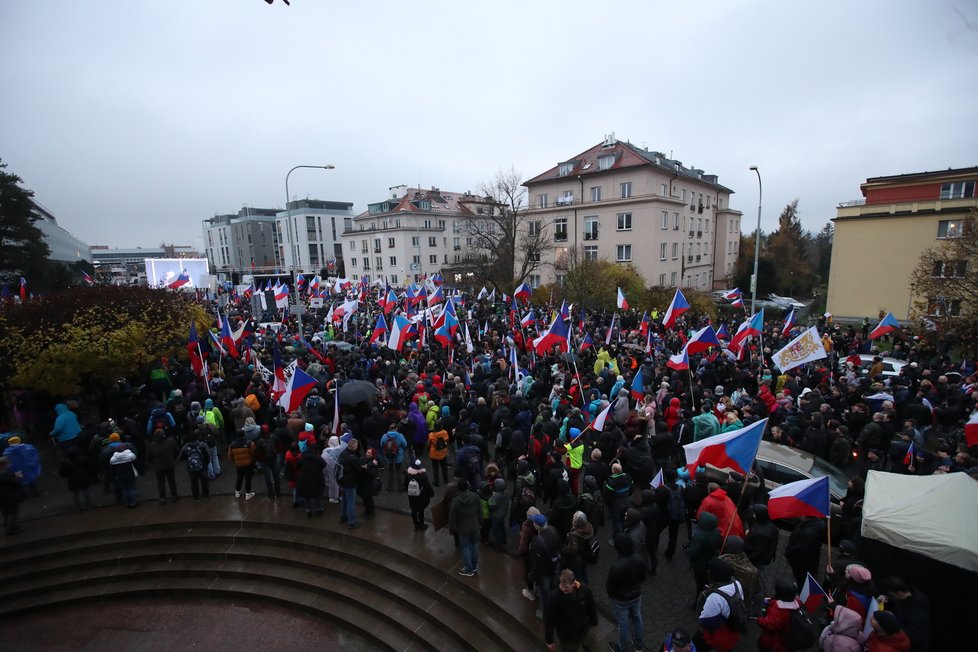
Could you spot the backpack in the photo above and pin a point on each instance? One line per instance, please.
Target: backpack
(528, 497)
(195, 462)
(546, 560)
(473, 465)
(440, 443)
(802, 634)
(591, 549)
(390, 447)
(739, 617)
(593, 507)
(677, 506)
(413, 488)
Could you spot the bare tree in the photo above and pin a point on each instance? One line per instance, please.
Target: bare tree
(504, 246)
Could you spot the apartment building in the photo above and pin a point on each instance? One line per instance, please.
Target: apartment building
(310, 234)
(879, 240)
(413, 233)
(242, 241)
(627, 204)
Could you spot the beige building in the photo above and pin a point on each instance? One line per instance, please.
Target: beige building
(879, 239)
(627, 204)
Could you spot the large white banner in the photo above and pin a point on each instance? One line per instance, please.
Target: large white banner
(804, 348)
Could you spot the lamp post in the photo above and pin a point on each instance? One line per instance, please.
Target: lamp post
(757, 242)
(288, 224)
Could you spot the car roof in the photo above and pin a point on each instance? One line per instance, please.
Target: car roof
(786, 456)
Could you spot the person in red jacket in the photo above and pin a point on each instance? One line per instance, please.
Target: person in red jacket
(719, 504)
(776, 620)
(672, 414)
(887, 635)
(765, 395)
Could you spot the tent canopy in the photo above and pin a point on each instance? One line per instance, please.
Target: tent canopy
(935, 516)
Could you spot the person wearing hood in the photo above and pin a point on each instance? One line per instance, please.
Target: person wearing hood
(705, 424)
(703, 546)
(562, 509)
(122, 465)
(161, 457)
(576, 551)
(719, 504)
(776, 620)
(393, 445)
(761, 546)
(886, 634)
(331, 455)
(804, 548)
(842, 634)
(498, 515)
(673, 413)
(251, 429)
(66, 427)
(310, 484)
(624, 587)
(419, 492)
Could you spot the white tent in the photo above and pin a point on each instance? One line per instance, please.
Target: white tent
(935, 515)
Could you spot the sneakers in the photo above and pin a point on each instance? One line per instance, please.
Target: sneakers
(529, 595)
(334, 500)
(466, 573)
(237, 494)
(250, 495)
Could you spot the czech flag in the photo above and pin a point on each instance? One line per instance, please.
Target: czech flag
(227, 339)
(278, 372)
(436, 296)
(611, 329)
(282, 296)
(180, 281)
(556, 334)
(598, 424)
(380, 328)
(523, 292)
(643, 326)
(908, 458)
(657, 481)
(789, 323)
(296, 390)
(622, 301)
(300, 282)
(678, 306)
(734, 450)
(737, 303)
(193, 350)
(88, 279)
(588, 342)
(971, 430)
(638, 389)
(399, 332)
(679, 362)
(443, 336)
(887, 325)
(801, 498)
(811, 594)
(528, 319)
(701, 340)
(753, 326)
(723, 333)
(730, 295)
(564, 311)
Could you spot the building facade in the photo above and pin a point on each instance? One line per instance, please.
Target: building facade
(64, 247)
(623, 203)
(124, 266)
(310, 234)
(879, 239)
(243, 241)
(413, 233)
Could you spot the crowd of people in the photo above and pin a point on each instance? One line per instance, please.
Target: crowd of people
(503, 437)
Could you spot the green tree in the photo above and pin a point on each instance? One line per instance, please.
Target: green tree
(744, 268)
(786, 249)
(594, 283)
(945, 289)
(87, 337)
(22, 246)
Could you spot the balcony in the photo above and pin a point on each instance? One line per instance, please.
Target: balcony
(564, 201)
(590, 235)
(377, 250)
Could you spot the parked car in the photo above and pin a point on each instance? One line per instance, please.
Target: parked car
(786, 302)
(891, 366)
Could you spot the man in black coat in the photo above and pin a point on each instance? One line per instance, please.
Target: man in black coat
(805, 548)
(761, 546)
(571, 612)
(624, 587)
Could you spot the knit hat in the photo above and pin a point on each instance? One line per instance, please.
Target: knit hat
(201, 419)
(531, 510)
(680, 637)
(114, 436)
(209, 403)
(416, 464)
(498, 484)
(887, 621)
(539, 520)
(13, 440)
(309, 426)
(858, 573)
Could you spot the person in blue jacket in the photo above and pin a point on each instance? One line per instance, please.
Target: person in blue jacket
(24, 461)
(393, 446)
(66, 427)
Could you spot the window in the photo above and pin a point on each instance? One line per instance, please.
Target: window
(624, 221)
(662, 251)
(441, 224)
(456, 244)
(432, 241)
(393, 261)
(566, 197)
(542, 200)
(944, 307)
(366, 263)
(560, 229)
(533, 227)
(565, 169)
(675, 221)
(719, 203)
(353, 245)
(390, 243)
(534, 281)
(664, 190)
(605, 162)
(623, 253)
(590, 252)
(377, 245)
(433, 259)
(665, 220)
(416, 260)
(394, 279)
(662, 280)
(560, 278)
(707, 201)
(379, 261)
(591, 227)
(684, 194)
(675, 250)
(353, 262)
(706, 226)
(455, 224)
(949, 229)
(950, 268)
(672, 279)
(534, 256)
(959, 190)
(415, 241)
(625, 189)
(595, 193)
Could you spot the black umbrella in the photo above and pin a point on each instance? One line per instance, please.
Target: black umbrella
(358, 391)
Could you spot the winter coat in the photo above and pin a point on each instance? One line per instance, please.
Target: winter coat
(774, 625)
(842, 634)
(311, 481)
(418, 503)
(570, 615)
(433, 438)
(350, 462)
(401, 446)
(720, 505)
(577, 541)
(75, 470)
(242, 452)
(162, 454)
(618, 491)
(26, 459)
(122, 465)
(420, 424)
(705, 543)
(898, 642)
(705, 425)
(66, 426)
(465, 515)
(625, 576)
(761, 543)
(805, 544)
(672, 413)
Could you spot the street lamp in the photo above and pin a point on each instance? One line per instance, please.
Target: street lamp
(757, 242)
(288, 223)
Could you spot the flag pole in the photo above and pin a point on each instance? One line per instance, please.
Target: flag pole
(203, 371)
(736, 511)
(692, 396)
(828, 535)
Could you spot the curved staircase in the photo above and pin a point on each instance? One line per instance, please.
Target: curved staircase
(396, 588)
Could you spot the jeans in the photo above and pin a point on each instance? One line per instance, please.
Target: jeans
(313, 504)
(82, 499)
(164, 478)
(349, 505)
(469, 543)
(244, 476)
(630, 625)
(198, 483)
(393, 475)
(435, 466)
(270, 474)
(127, 491)
(213, 465)
(545, 587)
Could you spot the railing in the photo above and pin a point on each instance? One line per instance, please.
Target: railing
(590, 236)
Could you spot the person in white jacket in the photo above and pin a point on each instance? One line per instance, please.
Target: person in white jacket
(331, 454)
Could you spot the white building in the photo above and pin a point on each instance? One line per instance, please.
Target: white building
(310, 233)
(245, 241)
(413, 233)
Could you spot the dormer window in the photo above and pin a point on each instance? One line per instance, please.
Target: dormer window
(565, 169)
(605, 162)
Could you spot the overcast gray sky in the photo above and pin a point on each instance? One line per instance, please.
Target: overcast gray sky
(133, 121)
